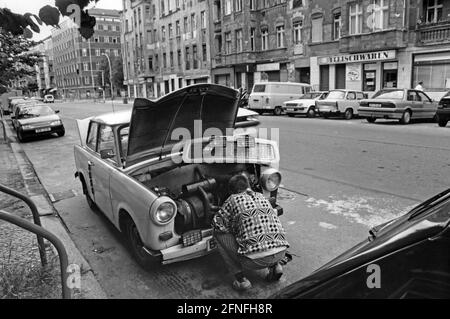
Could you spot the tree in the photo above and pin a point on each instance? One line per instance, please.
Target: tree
(16, 60)
(117, 79)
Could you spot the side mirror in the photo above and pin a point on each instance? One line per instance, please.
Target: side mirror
(57, 111)
(106, 154)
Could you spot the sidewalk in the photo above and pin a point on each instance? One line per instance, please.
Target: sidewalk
(18, 248)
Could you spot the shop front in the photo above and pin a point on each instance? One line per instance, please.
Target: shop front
(433, 69)
(368, 71)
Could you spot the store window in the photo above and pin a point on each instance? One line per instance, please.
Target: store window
(390, 74)
(370, 77)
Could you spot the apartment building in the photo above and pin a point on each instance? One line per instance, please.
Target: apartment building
(166, 45)
(77, 60)
(44, 70)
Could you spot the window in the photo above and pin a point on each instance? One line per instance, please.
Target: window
(297, 29)
(84, 52)
(91, 141)
(165, 60)
(203, 19)
(170, 31)
(188, 59)
(355, 19)
(179, 57)
(204, 53)
(280, 37)
(253, 4)
(163, 33)
(195, 56)
(86, 66)
(193, 24)
(239, 41)
(228, 7)
(379, 18)
(171, 59)
(351, 96)
(423, 97)
(265, 40)
(177, 28)
(228, 43)
(186, 25)
(337, 26)
(150, 63)
(252, 39)
(433, 10)
(106, 140)
(317, 29)
(237, 5)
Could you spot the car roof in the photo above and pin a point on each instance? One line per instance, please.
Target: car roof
(114, 118)
(288, 83)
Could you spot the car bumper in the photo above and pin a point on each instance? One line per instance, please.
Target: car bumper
(295, 110)
(381, 114)
(38, 132)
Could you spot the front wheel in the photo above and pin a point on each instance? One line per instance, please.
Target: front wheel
(371, 119)
(348, 115)
(61, 133)
(442, 122)
(311, 112)
(20, 136)
(137, 247)
(277, 111)
(326, 115)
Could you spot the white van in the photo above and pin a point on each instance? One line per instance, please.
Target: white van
(270, 96)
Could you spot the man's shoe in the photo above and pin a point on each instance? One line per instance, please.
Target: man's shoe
(242, 285)
(275, 273)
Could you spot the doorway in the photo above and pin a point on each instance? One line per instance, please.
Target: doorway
(340, 76)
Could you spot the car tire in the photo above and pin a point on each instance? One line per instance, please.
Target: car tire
(406, 118)
(61, 133)
(137, 247)
(20, 137)
(348, 115)
(277, 111)
(371, 119)
(311, 112)
(326, 116)
(291, 115)
(442, 122)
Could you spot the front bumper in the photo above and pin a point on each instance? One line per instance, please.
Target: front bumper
(295, 110)
(380, 113)
(39, 131)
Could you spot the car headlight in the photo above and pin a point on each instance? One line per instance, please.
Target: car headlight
(164, 212)
(271, 180)
(27, 127)
(55, 123)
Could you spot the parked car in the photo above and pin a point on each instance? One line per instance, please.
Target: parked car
(340, 103)
(49, 98)
(37, 120)
(405, 258)
(306, 105)
(13, 101)
(162, 193)
(443, 111)
(269, 97)
(401, 104)
(20, 104)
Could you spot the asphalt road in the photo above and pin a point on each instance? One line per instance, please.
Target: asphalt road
(339, 179)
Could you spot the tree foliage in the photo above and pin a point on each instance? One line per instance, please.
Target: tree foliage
(117, 78)
(16, 61)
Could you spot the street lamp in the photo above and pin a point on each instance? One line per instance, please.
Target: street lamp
(110, 75)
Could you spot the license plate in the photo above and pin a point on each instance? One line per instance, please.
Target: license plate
(374, 105)
(41, 130)
(291, 109)
(212, 244)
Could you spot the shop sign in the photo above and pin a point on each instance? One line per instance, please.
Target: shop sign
(358, 57)
(268, 67)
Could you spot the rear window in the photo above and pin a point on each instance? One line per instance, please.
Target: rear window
(394, 95)
(259, 89)
(336, 95)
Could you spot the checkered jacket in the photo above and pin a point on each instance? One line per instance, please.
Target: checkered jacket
(251, 219)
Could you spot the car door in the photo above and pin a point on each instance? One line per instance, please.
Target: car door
(101, 167)
(350, 101)
(413, 103)
(429, 108)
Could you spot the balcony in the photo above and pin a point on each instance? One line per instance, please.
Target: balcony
(433, 33)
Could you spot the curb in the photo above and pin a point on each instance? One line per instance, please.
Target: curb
(50, 219)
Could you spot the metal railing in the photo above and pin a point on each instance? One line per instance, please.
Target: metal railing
(41, 233)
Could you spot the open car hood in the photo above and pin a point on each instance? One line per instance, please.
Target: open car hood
(154, 122)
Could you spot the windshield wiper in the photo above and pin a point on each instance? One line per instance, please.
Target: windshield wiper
(427, 204)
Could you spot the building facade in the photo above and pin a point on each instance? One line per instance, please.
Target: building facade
(165, 45)
(77, 61)
(44, 70)
(342, 44)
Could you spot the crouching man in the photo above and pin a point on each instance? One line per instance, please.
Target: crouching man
(249, 234)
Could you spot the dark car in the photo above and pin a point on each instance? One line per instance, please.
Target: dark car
(443, 112)
(404, 258)
(36, 120)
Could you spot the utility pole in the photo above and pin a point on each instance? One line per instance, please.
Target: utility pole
(92, 69)
(103, 85)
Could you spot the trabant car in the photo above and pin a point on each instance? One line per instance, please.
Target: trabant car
(306, 105)
(49, 98)
(405, 258)
(401, 104)
(160, 171)
(340, 103)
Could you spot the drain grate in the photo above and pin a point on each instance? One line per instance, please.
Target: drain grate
(56, 197)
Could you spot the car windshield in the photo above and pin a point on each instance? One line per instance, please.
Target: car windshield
(35, 111)
(336, 95)
(311, 96)
(389, 94)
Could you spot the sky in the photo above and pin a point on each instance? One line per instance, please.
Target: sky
(33, 6)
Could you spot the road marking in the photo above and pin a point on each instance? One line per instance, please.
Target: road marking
(327, 226)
